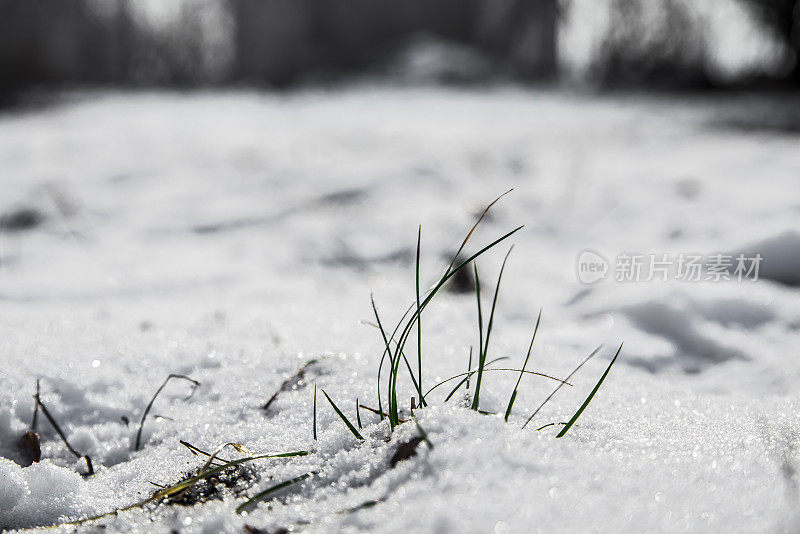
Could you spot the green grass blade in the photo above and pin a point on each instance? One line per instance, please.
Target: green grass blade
(481, 355)
(510, 404)
(503, 369)
(394, 417)
(422, 432)
(393, 373)
(494, 301)
(137, 445)
(485, 351)
(548, 425)
(558, 387)
(469, 367)
(411, 373)
(472, 258)
(472, 230)
(363, 506)
(314, 417)
(463, 380)
(442, 281)
(387, 350)
(590, 397)
(466, 376)
(394, 413)
(419, 322)
(393, 393)
(524, 365)
(272, 489)
(406, 331)
(343, 417)
(358, 415)
(184, 484)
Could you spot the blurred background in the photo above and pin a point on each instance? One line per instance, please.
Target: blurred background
(283, 43)
(215, 187)
(209, 153)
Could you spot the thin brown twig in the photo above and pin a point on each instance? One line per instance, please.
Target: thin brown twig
(196, 450)
(195, 385)
(288, 382)
(376, 412)
(70, 448)
(35, 419)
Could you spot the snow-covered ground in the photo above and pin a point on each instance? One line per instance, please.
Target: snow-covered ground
(232, 237)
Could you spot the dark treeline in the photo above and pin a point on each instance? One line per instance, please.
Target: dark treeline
(674, 53)
(291, 37)
(52, 42)
(281, 42)
(268, 42)
(782, 17)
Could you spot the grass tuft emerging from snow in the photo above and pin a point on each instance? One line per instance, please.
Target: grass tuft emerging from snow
(395, 353)
(202, 485)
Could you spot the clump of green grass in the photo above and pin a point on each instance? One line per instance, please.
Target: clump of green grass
(411, 321)
(173, 491)
(405, 326)
(215, 470)
(236, 478)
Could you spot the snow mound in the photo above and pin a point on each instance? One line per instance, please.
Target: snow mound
(781, 257)
(13, 486)
(696, 343)
(36, 494)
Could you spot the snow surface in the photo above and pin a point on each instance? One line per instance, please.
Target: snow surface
(232, 237)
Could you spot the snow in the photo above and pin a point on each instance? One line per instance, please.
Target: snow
(231, 237)
(783, 251)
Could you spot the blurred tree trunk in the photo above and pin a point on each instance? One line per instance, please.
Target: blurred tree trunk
(273, 39)
(41, 42)
(17, 50)
(522, 34)
(661, 43)
(276, 41)
(783, 18)
(122, 42)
